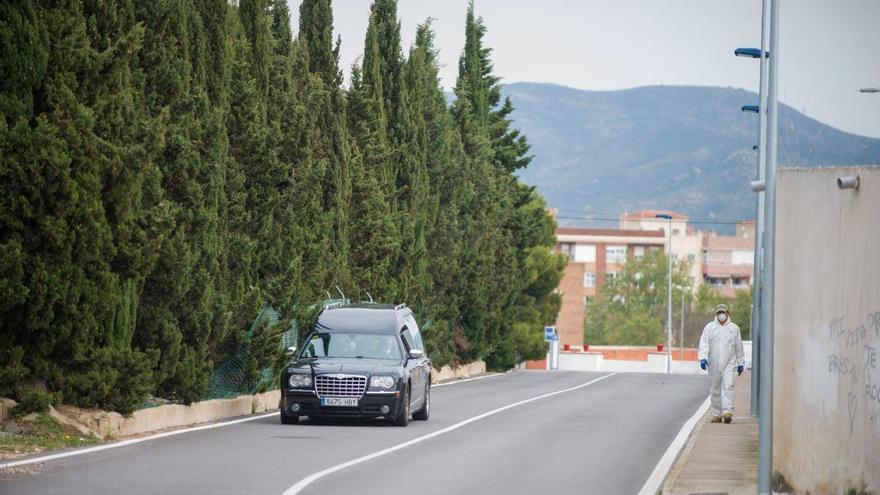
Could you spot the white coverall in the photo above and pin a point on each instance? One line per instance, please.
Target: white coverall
(721, 345)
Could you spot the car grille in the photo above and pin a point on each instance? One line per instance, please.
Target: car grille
(346, 386)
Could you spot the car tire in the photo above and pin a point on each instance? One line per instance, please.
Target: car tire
(423, 413)
(287, 419)
(403, 418)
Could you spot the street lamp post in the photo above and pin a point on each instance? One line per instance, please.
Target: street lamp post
(681, 334)
(758, 186)
(765, 387)
(767, 242)
(668, 295)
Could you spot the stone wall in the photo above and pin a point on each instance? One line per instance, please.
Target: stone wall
(826, 420)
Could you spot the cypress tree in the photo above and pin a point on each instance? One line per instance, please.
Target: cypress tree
(316, 31)
(374, 122)
(178, 311)
(485, 290)
(438, 152)
(25, 43)
(74, 212)
(329, 143)
(171, 167)
(516, 230)
(255, 22)
(381, 74)
(373, 232)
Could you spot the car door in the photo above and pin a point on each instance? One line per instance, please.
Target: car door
(411, 365)
(420, 371)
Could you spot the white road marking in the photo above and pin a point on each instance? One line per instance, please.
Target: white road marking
(123, 443)
(490, 375)
(299, 486)
(97, 448)
(662, 469)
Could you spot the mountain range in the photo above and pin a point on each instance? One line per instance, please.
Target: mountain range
(684, 148)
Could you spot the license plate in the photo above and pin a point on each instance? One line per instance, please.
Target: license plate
(339, 401)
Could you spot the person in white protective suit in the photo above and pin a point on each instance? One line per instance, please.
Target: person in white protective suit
(721, 352)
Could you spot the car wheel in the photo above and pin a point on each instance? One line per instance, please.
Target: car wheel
(288, 419)
(403, 419)
(425, 411)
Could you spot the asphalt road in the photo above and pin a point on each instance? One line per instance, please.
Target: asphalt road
(604, 438)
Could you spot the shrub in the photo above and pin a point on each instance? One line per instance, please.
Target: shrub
(13, 371)
(109, 378)
(32, 400)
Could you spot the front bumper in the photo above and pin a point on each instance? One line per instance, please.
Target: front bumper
(369, 406)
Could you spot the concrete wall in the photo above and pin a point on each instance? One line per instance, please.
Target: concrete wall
(580, 361)
(104, 424)
(826, 403)
(596, 361)
(464, 371)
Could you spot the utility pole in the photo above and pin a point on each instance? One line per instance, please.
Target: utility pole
(668, 294)
(757, 277)
(669, 306)
(765, 387)
(681, 332)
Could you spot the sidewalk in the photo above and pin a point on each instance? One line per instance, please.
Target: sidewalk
(720, 458)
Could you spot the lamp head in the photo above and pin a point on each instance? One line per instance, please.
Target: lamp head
(750, 52)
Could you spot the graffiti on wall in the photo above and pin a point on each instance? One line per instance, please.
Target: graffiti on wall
(862, 373)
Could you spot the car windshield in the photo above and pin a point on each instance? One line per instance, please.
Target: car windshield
(352, 345)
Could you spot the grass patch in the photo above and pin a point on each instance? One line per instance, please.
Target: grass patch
(47, 434)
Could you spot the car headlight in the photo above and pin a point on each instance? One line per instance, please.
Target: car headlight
(300, 380)
(382, 382)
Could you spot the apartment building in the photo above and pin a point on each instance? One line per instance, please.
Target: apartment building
(729, 261)
(686, 241)
(594, 256)
(746, 228)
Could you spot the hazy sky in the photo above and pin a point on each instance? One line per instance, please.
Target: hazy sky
(828, 48)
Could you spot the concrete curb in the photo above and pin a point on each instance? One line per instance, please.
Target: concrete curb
(175, 415)
(667, 462)
(683, 457)
(105, 424)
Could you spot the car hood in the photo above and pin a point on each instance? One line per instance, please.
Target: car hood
(346, 366)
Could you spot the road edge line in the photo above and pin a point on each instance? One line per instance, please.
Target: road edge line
(661, 470)
(455, 381)
(308, 480)
(131, 441)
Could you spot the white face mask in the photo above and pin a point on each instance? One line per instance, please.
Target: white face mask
(722, 317)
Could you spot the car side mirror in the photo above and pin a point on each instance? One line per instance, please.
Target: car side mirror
(416, 353)
(291, 350)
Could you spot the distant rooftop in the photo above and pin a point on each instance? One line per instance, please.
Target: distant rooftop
(653, 214)
(728, 242)
(609, 232)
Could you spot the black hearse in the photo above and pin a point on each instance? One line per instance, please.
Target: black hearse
(360, 360)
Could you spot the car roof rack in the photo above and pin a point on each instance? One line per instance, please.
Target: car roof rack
(333, 305)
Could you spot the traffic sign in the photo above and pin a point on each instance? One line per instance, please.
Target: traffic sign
(550, 334)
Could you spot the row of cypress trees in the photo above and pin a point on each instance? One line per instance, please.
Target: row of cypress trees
(170, 167)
